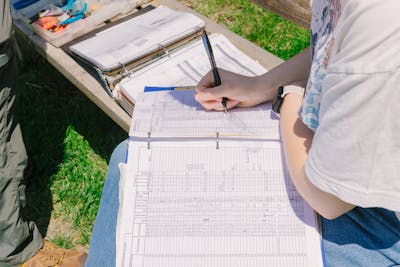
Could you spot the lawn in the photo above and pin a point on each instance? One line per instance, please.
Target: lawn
(69, 140)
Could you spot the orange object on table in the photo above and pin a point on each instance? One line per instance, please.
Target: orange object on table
(50, 24)
(47, 22)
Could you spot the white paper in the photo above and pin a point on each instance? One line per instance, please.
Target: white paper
(208, 189)
(188, 65)
(137, 37)
(177, 114)
(190, 204)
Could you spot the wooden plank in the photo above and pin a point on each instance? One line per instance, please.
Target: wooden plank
(93, 89)
(297, 11)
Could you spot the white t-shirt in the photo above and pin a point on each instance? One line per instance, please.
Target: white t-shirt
(352, 101)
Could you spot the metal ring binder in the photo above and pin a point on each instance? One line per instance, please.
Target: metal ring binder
(166, 52)
(104, 81)
(148, 140)
(126, 72)
(217, 139)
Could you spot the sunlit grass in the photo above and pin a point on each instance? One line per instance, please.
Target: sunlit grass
(271, 32)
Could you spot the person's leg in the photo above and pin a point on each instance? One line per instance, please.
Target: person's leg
(102, 244)
(362, 237)
(19, 240)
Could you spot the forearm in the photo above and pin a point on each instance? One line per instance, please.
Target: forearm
(295, 70)
(297, 139)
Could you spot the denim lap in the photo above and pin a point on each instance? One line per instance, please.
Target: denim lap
(362, 237)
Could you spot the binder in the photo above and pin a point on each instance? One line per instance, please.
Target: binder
(93, 50)
(210, 189)
(138, 37)
(178, 63)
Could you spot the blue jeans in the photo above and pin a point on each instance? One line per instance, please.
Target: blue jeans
(102, 244)
(361, 237)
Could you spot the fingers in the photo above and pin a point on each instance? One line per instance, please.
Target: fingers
(210, 97)
(205, 94)
(217, 105)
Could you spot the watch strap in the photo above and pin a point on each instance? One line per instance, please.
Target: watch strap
(282, 92)
(293, 89)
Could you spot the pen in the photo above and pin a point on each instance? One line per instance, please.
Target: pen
(217, 79)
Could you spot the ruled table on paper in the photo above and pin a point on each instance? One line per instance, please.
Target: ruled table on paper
(190, 204)
(177, 114)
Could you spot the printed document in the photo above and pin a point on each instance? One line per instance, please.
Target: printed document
(192, 198)
(186, 66)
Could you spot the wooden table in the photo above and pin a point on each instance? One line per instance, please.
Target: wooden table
(298, 11)
(93, 89)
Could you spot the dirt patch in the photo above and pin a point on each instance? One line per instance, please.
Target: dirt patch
(59, 228)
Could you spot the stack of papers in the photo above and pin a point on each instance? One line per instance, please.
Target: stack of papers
(186, 67)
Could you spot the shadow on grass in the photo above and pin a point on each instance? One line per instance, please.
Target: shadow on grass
(48, 104)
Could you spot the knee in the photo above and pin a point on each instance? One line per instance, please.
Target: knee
(120, 153)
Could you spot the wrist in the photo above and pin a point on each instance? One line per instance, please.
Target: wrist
(266, 87)
(286, 92)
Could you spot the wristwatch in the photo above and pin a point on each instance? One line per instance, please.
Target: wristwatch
(282, 92)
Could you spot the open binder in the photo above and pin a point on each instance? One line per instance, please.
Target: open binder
(119, 50)
(209, 189)
(171, 54)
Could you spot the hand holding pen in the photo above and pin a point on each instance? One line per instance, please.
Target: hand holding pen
(217, 78)
(236, 91)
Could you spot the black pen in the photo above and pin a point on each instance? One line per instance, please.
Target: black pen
(217, 79)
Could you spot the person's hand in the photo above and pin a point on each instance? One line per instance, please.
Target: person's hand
(240, 91)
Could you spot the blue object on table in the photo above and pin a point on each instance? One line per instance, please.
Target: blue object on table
(167, 88)
(23, 3)
(157, 88)
(74, 15)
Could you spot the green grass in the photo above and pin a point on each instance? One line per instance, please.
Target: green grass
(271, 32)
(69, 140)
(78, 183)
(63, 241)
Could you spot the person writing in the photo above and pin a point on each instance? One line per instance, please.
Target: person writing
(340, 133)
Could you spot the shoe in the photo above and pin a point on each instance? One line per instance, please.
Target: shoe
(52, 256)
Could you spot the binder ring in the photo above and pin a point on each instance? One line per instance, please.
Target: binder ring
(126, 72)
(217, 140)
(166, 52)
(148, 140)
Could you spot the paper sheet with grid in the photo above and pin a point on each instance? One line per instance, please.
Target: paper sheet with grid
(197, 201)
(176, 114)
(190, 204)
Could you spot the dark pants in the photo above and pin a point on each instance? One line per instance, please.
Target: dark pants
(19, 240)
